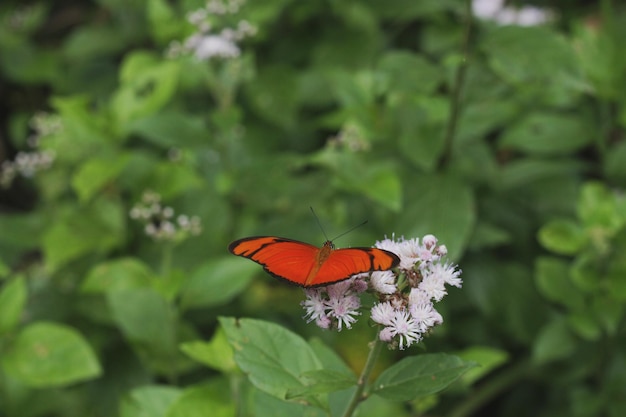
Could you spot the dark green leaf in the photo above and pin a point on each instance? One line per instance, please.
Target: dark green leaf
(554, 342)
(553, 281)
(321, 381)
(418, 376)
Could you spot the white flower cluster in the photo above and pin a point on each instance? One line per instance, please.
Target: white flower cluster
(207, 43)
(27, 164)
(159, 220)
(406, 297)
(407, 310)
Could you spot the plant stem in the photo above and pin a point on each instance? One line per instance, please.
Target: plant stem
(459, 81)
(357, 397)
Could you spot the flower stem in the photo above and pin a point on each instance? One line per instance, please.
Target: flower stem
(357, 397)
(459, 81)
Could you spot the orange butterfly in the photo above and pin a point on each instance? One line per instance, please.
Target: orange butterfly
(307, 265)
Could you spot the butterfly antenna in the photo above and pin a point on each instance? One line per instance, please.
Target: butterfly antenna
(319, 223)
(349, 230)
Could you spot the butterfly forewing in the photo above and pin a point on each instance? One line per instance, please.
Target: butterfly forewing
(281, 257)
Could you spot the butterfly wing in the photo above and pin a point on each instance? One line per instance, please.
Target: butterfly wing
(343, 263)
(283, 258)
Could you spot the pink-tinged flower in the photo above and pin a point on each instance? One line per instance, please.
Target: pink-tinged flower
(314, 305)
(344, 309)
(433, 285)
(425, 316)
(405, 328)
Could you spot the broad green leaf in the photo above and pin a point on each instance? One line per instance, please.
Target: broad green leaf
(563, 236)
(329, 358)
(216, 282)
(171, 128)
(270, 406)
(423, 78)
(597, 208)
(555, 341)
(117, 274)
(321, 381)
(171, 180)
(148, 83)
(531, 54)
(164, 24)
(274, 95)
(98, 229)
(525, 171)
(217, 353)
(545, 133)
(609, 312)
(442, 206)
(144, 317)
(586, 272)
(13, 296)
(149, 401)
(213, 398)
(584, 325)
(273, 357)
(552, 276)
(95, 173)
(46, 354)
(421, 375)
(487, 358)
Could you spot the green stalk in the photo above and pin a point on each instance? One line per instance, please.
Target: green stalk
(459, 81)
(357, 397)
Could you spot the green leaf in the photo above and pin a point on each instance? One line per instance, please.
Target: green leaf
(273, 358)
(48, 355)
(608, 312)
(552, 276)
(149, 401)
(148, 83)
(563, 236)
(144, 316)
(584, 325)
(423, 78)
(586, 272)
(12, 301)
(545, 133)
(4, 270)
(212, 398)
(321, 381)
(171, 128)
(444, 207)
(171, 180)
(216, 282)
(531, 54)
(95, 173)
(418, 376)
(217, 353)
(597, 208)
(98, 229)
(117, 274)
(525, 171)
(554, 342)
(487, 358)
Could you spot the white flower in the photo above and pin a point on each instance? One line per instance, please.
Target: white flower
(314, 305)
(383, 282)
(425, 315)
(405, 327)
(433, 285)
(205, 47)
(383, 313)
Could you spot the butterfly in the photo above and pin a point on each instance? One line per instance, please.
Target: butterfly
(307, 265)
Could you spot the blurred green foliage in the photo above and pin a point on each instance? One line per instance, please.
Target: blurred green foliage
(509, 146)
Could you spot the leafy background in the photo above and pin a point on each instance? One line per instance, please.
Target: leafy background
(515, 158)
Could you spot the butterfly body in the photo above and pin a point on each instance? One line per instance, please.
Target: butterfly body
(307, 265)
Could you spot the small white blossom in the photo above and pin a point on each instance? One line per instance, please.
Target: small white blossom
(383, 282)
(496, 11)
